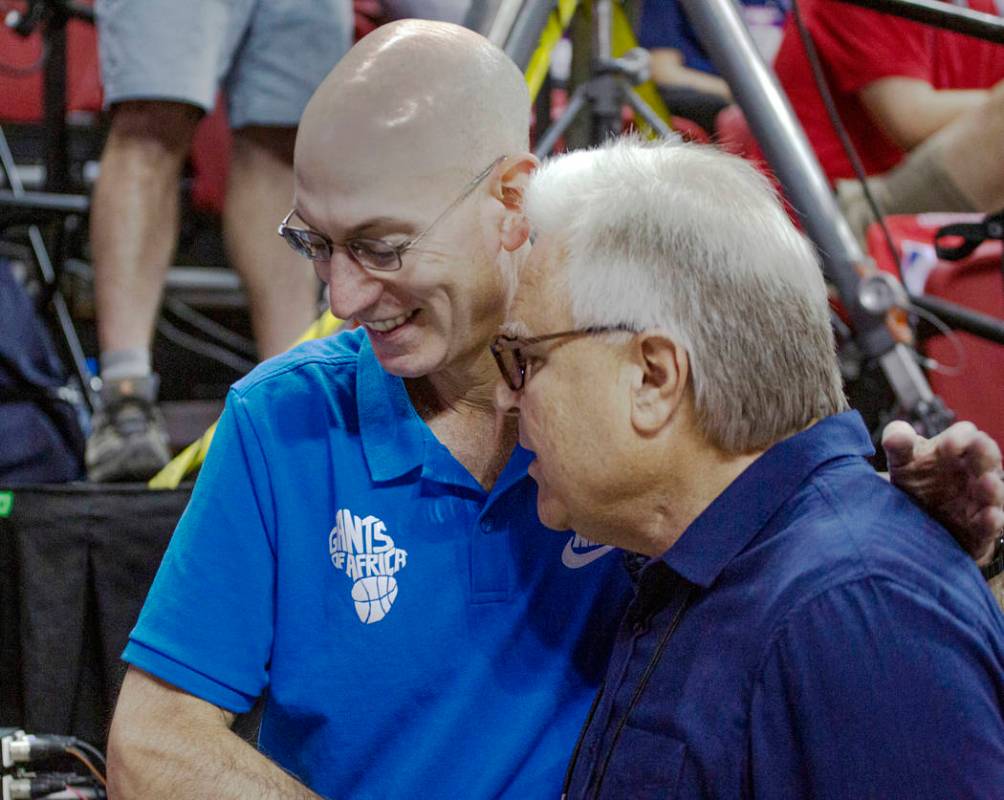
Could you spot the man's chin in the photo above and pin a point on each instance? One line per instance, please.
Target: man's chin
(552, 514)
(414, 364)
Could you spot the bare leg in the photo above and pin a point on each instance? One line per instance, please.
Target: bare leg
(972, 152)
(956, 169)
(281, 286)
(134, 228)
(134, 220)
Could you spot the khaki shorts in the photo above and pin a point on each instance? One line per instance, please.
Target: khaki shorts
(267, 55)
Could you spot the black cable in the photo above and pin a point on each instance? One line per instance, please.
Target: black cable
(822, 86)
(210, 327)
(92, 751)
(206, 349)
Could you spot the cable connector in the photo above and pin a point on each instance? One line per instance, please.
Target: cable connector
(20, 748)
(28, 785)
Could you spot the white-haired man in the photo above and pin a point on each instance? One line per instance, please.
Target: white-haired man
(799, 628)
(363, 540)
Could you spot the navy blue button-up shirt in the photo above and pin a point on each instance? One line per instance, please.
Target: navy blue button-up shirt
(811, 634)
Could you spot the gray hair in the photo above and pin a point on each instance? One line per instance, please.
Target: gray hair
(695, 241)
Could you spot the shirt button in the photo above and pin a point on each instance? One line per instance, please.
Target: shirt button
(487, 526)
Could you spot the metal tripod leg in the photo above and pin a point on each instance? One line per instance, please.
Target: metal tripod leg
(63, 319)
(643, 108)
(550, 138)
(725, 37)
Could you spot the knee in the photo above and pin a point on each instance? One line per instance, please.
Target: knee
(254, 143)
(995, 101)
(159, 132)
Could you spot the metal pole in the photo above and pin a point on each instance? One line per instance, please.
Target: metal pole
(726, 39)
(605, 91)
(57, 161)
(941, 15)
(62, 312)
(524, 31)
(480, 14)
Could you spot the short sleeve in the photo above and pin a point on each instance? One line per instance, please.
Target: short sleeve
(207, 623)
(859, 46)
(873, 690)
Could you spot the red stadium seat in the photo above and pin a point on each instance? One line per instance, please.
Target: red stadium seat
(21, 102)
(690, 131)
(21, 96)
(976, 282)
(733, 135)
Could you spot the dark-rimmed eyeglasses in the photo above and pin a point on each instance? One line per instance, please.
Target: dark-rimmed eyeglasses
(374, 254)
(510, 355)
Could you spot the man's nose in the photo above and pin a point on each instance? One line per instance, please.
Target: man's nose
(351, 287)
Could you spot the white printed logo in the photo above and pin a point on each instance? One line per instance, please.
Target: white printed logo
(361, 548)
(580, 551)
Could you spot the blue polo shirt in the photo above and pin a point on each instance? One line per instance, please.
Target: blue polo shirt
(811, 634)
(417, 635)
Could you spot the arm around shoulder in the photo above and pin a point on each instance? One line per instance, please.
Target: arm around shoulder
(165, 743)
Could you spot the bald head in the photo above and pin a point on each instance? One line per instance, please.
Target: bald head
(415, 95)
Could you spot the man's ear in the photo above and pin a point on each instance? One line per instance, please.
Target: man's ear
(509, 187)
(660, 381)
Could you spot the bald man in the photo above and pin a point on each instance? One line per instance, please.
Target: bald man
(362, 544)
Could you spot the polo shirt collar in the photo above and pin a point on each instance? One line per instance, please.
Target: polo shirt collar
(396, 441)
(729, 524)
(392, 433)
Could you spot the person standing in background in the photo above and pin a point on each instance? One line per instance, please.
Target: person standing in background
(163, 63)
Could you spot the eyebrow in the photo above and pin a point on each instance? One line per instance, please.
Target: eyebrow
(515, 329)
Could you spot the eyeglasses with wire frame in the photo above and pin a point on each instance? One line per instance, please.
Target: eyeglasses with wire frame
(512, 361)
(372, 254)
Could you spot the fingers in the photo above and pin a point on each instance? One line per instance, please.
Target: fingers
(989, 491)
(974, 449)
(899, 440)
(987, 523)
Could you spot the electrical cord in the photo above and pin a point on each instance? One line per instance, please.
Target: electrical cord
(210, 327)
(951, 336)
(77, 754)
(206, 349)
(822, 86)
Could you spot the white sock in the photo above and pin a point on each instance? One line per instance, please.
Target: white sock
(131, 362)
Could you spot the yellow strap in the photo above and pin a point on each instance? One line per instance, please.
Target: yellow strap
(190, 459)
(622, 40)
(557, 23)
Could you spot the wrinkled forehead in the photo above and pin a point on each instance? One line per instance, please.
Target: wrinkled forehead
(353, 172)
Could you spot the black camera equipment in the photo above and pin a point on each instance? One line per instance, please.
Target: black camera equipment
(609, 88)
(19, 749)
(942, 15)
(516, 26)
(783, 141)
(55, 205)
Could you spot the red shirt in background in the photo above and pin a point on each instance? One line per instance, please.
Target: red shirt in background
(858, 47)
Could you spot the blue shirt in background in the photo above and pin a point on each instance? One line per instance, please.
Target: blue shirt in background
(811, 634)
(664, 24)
(418, 637)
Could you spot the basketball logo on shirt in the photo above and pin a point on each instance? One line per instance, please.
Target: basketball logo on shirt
(361, 548)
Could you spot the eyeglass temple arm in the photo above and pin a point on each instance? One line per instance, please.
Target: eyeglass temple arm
(475, 182)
